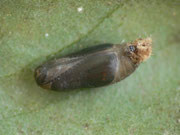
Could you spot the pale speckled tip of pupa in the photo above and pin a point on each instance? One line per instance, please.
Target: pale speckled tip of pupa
(144, 49)
(148, 43)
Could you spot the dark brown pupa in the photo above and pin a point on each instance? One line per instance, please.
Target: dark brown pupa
(93, 67)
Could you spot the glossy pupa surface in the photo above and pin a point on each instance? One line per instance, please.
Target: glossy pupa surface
(95, 66)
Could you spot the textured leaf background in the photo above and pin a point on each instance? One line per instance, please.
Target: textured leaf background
(32, 31)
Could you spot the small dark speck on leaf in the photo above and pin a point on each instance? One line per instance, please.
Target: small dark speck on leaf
(175, 38)
(86, 126)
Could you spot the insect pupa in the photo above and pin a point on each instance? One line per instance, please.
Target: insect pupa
(95, 66)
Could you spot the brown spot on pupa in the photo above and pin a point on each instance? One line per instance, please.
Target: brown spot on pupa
(104, 76)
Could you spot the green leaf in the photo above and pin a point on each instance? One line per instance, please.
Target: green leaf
(32, 31)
